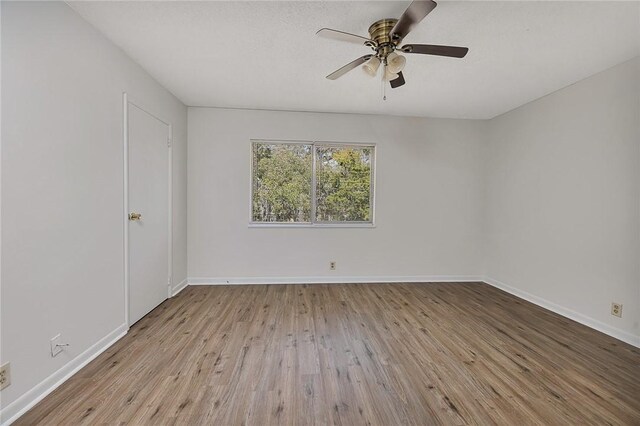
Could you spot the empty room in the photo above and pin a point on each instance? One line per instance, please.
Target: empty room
(320, 213)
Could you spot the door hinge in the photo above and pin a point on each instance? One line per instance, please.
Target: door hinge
(169, 281)
(169, 142)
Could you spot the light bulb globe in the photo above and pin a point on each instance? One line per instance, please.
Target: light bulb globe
(371, 67)
(388, 75)
(395, 62)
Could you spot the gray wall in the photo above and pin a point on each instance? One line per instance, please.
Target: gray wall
(563, 200)
(428, 193)
(62, 185)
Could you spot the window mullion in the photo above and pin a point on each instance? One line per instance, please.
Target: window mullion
(314, 203)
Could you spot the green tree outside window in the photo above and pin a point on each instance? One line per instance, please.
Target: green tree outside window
(283, 183)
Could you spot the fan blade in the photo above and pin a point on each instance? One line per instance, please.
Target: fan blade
(342, 36)
(432, 49)
(351, 65)
(398, 81)
(415, 13)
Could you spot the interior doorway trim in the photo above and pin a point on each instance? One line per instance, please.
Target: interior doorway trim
(126, 101)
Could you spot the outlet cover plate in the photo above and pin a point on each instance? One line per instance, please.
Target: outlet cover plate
(5, 375)
(616, 309)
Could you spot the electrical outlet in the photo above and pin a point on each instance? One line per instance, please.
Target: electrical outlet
(616, 309)
(5, 376)
(332, 265)
(56, 345)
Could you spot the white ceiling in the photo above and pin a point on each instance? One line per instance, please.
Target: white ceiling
(266, 55)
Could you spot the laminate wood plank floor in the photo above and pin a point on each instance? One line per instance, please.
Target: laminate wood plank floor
(352, 354)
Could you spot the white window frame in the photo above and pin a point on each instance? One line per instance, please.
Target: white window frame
(314, 223)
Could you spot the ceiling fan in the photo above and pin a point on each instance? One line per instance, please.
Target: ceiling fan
(385, 37)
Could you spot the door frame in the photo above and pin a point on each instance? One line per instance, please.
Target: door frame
(127, 100)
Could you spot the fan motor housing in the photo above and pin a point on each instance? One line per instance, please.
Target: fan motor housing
(379, 31)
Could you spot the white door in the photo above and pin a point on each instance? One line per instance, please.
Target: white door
(148, 197)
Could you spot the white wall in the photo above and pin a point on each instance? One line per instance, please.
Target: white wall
(563, 200)
(62, 186)
(427, 199)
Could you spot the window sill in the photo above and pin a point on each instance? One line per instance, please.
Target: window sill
(311, 225)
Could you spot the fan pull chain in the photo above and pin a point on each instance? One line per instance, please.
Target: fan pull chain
(384, 86)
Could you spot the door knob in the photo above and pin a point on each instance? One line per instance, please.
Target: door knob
(135, 216)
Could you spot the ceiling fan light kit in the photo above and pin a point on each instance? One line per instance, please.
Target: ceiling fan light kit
(389, 75)
(395, 62)
(371, 67)
(386, 35)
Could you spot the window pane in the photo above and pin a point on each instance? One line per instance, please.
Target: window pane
(281, 182)
(343, 183)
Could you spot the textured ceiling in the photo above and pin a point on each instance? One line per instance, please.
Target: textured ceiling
(266, 55)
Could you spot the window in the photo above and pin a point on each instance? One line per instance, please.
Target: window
(282, 182)
(312, 183)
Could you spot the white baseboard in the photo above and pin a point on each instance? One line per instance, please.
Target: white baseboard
(333, 280)
(566, 312)
(178, 288)
(25, 402)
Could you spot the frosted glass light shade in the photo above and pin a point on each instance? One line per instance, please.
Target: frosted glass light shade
(371, 67)
(388, 75)
(395, 62)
